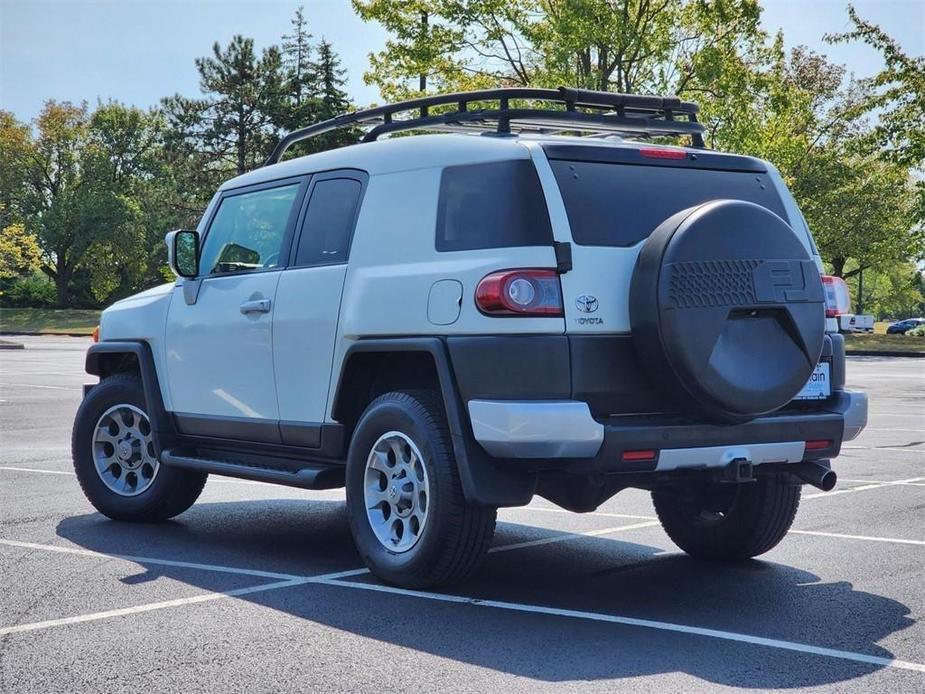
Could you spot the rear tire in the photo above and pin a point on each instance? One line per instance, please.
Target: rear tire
(728, 521)
(135, 486)
(412, 525)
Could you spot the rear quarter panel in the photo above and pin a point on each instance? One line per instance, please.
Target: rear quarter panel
(394, 263)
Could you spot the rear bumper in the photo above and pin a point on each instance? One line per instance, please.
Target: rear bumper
(564, 435)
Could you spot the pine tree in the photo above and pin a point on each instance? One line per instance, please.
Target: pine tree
(331, 82)
(236, 120)
(297, 61)
(332, 97)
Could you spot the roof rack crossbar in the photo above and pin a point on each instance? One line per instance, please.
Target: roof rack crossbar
(603, 112)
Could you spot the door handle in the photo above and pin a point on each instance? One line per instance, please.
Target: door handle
(256, 306)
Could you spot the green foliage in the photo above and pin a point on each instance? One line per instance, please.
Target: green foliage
(898, 91)
(918, 331)
(626, 46)
(34, 289)
(234, 124)
(94, 198)
(19, 252)
(897, 291)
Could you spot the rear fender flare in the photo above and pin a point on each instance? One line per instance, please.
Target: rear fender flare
(482, 480)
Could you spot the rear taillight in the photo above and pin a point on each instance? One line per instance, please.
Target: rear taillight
(659, 153)
(837, 298)
(520, 293)
(648, 454)
(818, 444)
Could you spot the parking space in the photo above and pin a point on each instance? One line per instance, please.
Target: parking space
(259, 588)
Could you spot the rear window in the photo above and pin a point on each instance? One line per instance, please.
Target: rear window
(621, 204)
(492, 205)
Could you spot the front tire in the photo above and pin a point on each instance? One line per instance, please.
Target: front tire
(728, 521)
(410, 520)
(115, 461)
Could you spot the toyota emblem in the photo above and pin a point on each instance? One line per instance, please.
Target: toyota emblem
(586, 303)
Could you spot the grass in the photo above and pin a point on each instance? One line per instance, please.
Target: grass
(884, 343)
(48, 321)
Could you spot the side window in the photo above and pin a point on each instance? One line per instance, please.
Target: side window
(492, 205)
(325, 237)
(247, 232)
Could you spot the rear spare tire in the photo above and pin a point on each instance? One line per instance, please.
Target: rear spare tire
(727, 310)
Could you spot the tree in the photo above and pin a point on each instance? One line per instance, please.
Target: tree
(611, 45)
(15, 159)
(235, 121)
(297, 60)
(330, 99)
(424, 45)
(897, 91)
(87, 198)
(19, 252)
(861, 211)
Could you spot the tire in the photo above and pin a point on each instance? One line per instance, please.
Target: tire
(404, 438)
(159, 492)
(729, 521)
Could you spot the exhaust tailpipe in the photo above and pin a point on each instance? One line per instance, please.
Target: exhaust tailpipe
(816, 473)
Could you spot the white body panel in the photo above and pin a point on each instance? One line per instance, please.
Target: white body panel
(605, 271)
(142, 317)
(304, 329)
(220, 361)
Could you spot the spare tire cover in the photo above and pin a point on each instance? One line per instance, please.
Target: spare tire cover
(727, 310)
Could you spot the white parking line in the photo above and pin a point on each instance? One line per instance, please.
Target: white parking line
(108, 614)
(35, 385)
(654, 522)
(151, 560)
(32, 469)
(887, 482)
(336, 579)
(862, 488)
(635, 622)
(885, 448)
(861, 537)
(213, 478)
(914, 431)
(571, 536)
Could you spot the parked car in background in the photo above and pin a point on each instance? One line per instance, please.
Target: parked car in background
(851, 323)
(904, 326)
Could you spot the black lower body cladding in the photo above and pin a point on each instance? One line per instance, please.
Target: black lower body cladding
(601, 370)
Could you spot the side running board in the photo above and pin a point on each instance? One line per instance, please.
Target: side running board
(308, 476)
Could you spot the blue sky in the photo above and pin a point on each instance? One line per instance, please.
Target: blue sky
(137, 51)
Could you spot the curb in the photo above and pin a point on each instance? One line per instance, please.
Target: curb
(874, 353)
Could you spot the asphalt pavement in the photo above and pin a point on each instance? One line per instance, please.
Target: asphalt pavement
(258, 588)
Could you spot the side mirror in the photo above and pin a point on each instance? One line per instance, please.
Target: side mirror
(183, 252)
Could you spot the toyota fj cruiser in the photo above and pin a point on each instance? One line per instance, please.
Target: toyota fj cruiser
(446, 324)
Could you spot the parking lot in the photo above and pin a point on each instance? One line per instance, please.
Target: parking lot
(258, 588)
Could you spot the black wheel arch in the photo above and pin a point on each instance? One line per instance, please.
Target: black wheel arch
(135, 356)
(483, 482)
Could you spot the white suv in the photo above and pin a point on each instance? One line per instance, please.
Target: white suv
(447, 324)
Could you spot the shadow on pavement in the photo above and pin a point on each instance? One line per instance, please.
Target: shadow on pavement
(601, 575)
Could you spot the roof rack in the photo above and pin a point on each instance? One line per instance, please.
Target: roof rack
(584, 111)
